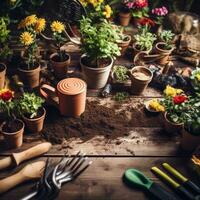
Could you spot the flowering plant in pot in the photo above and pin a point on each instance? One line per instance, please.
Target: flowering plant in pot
(30, 68)
(191, 132)
(30, 108)
(5, 51)
(159, 14)
(143, 40)
(165, 47)
(195, 79)
(175, 105)
(12, 128)
(99, 45)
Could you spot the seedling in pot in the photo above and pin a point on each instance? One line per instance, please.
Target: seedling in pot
(120, 73)
(167, 36)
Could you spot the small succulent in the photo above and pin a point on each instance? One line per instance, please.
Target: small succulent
(167, 36)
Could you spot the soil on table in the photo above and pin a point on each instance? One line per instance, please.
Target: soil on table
(110, 121)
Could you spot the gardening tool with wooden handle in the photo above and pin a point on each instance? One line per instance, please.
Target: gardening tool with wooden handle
(16, 158)
(29, 172)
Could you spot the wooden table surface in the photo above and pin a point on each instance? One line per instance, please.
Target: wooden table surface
(103, 179)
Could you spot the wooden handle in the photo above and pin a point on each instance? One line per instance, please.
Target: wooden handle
(31, 153)
(30, 172)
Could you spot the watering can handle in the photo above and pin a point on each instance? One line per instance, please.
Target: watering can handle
(49, 93)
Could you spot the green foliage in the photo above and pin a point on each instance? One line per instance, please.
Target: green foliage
(29, 104)
(121, 96)
(195, 79)
(99, 40)
(8, 108)
(167, 36)
(140, 13)
(120, 73)
(144, 39)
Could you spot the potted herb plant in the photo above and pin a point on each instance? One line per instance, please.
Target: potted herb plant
(165, 47)
(29, 70)
(175, 105)
(123, 41)
(5, 51)
(30, 108)
(191, 132)
(60, 60)
(99, 45)
(195, 79)
(143, 40)
(12, 128)
(125, 12)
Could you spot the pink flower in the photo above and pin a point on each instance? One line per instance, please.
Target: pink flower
(130, 5)
(160, 11)
(140, 3)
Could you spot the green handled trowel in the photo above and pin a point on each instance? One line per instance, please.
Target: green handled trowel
(138, 179)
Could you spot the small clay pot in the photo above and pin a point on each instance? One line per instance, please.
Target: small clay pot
(189, 142)
(124, 44)
(71, 93)
(30, 78)
(13, 139)
(35, 125)
(140, 78)
(124, 18)
(60, 68)
(162, 53)
(171, 127)
(2, 75)
(96, 78)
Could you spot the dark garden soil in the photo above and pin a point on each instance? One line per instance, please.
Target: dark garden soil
(12, 126)
(102, 62)
(110, 120)
(58, 59)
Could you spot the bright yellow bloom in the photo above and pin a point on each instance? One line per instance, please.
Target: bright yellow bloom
(57, 26)
(40, 25)
(30, 20)
(26, 38)
(107, 12)
(170, 91)
(155, 105)
(198, 77)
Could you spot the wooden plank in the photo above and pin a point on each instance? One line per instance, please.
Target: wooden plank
(103, 180)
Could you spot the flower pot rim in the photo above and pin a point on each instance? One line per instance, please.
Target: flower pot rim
(92, 68)
(38, 68)
(146, 51)
(56, 54)
(4, 66)
(163, 50)
(125, 13)
(36, 119)
(165, 115)
(142, 67)
(14, 133)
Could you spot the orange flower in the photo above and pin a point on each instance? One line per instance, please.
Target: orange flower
(6, 94)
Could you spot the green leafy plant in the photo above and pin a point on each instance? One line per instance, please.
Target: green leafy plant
(121, 96)
(140, 13)
(144, 39)
(167, 36)
(29, 105)
(99, 41)
(120, 73)
(195, 79)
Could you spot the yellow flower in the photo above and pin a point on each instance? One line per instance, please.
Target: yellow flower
(198, 77)
(155, 105)
(57, 26)
(26, 38)
(107, 12)
(84, 2)
(170, 91)
(30, 20)
(40, 25)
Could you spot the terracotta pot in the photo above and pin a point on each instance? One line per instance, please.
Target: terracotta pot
(71, 96)
(163, 53)
(35, 125)
(2, 75)
(140, 78)
(30, 78)
(124, 18)
(60, 68)
(13, 139)
(124, 44)
(171, 127)
(188, 141)
(96, 78)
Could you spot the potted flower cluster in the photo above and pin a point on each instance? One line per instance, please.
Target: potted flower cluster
(5, 51)
(195, 79)
(175, 106)
(30, 108)
(165, 47)
(99, 45)
(60, 60)
(12, 128)
(29, 70)
(191, 132)
(125, 12)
